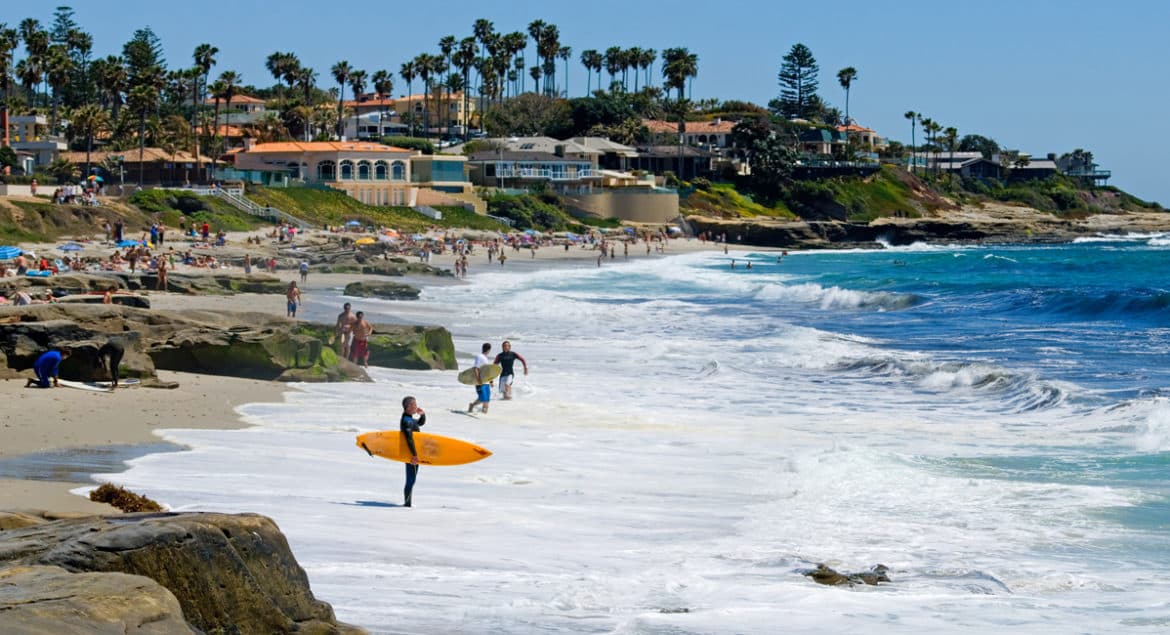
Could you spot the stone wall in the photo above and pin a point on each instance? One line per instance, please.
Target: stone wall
(631, 204)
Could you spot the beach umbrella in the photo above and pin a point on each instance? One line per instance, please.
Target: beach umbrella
(8, 252)
(353, 223)
(364, 241)
(127, 243)
(629, 230)
(71, 247)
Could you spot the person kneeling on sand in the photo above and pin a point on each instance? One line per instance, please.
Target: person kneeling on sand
(47, 367)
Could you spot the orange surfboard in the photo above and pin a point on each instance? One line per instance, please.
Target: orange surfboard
(432, 448)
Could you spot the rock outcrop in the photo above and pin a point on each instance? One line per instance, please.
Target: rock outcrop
(381, 289)
(157, 573)
(399, 346)
(827, 575)
(195, 284)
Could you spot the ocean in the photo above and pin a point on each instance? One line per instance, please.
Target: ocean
(991, 423)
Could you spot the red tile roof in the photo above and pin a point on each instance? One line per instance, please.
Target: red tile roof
(853, 128)
(323, 146)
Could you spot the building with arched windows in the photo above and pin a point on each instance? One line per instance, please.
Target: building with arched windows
(372, 173)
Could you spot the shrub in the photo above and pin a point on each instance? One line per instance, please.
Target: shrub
(410, 143)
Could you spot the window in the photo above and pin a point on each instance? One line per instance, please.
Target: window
(380, 171)
(347, 170)
(363, 170)
(398, 171)
(326, 171)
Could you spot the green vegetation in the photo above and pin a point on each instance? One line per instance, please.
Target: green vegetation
(722, 199)
(537, 211)
(173, 206)
(410, 143)
(332, 207)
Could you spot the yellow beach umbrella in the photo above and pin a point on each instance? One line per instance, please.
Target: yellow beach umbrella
(364, 241)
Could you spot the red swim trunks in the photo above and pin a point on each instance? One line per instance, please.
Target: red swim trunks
(360, 349)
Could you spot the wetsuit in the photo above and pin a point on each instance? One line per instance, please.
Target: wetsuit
(409, 425)
(46, 367)
(110, 354)
(507, 361)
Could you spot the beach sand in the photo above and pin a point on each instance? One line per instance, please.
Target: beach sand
(52, 440)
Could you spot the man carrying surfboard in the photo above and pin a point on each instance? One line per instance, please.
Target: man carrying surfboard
(483, 390)
(506, 360)
(413, 418)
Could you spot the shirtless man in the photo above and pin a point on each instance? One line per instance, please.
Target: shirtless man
(362, 330)
(162, 275)
(343, 330)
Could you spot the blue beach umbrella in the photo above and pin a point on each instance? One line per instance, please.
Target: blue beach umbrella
(8, 252)
(353, 223)
(127, 243)
(71, 247)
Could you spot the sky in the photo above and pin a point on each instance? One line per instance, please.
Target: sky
(1039, 76)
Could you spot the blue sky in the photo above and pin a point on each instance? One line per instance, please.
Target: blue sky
(1036, 75)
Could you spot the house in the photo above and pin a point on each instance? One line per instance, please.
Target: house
(686, 162)
(973, 165)
(383, 116)
(244, 109)
(372, 173)
(29, 134)
(819, 140)
(706, 134)
(155, 166)
(610, 154)
(441, 179)
(532, 169)
(867, 136)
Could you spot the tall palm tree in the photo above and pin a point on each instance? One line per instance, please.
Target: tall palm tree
(229, 84)
(341, 72)
(951, 134)
(383, 88)
(613, 58)
(913, 117)
(646, 62)
(536, 30)
(550, 45)
(565, 52)
(87, 122)
(216, 91)
(204, 58)
(425, 67)
(590, 58)
(679, 65)
(483, 31)
(357, 82)
(57, 70)
(9, 39)
(407, 72)
(446, 50)
(846, 77)
(536, 73)
(142, 100)
(464, 59)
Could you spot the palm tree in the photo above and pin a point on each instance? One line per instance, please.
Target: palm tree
(550, 45)
(229, 86)
(9, 38)
(535, 72)
(483, 31)
(679, 65)
(913, 117)
(536, 30)
(357, 82)
(216, 90)
(407, 72)
(613, 59)
(590, 59)
(646, 62)
(952, 136)
(87, 122)
(425, 67)
(142, 100)
(565, 52)
(204, 58)
(57, 70)
(846, 76)
(383, 88)
(341, 72)
(464, 59)
(446, 49)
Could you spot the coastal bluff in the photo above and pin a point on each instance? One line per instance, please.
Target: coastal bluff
(238, 344)
(155, 573)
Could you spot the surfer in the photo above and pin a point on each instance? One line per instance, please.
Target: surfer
(47, 367)
(343, 330)
(413, 418)
(109, 356)
(483, 391)
(506, 360)
(360, 350)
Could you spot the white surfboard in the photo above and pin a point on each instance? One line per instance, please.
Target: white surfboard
(96, 386)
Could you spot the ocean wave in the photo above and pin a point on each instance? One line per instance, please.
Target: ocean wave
(837, 298)
(1122, 238)
(1122, 305)
(1019, 392)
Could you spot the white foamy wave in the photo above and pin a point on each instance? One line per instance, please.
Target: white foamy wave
(837, 298)
(918, 247)
(1121, 238)
(997, 257)
(1154, 433)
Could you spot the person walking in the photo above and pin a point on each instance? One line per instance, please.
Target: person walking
(294, 298)
(343, 330)
(507, 360)
(360, 349)
(483, 391)
(412, 419)
(304, 271)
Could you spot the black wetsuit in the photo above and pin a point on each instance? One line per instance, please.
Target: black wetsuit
(112, 352)
(409, 425)
(507, 360)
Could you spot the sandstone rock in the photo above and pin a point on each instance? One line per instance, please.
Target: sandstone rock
(229, 573)
(381, 289)
(824, 574)
(399, 346)
(123, 299)
(41, 600)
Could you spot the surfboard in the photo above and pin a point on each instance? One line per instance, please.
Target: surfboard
(487, 374)
(96, 386)
(432, 448)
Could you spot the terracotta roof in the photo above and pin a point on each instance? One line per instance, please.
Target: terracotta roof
(853, 128)
(239, 99)
(696, 127)
(149, 154)
(323, 146)
(389, 102)
(225, 130)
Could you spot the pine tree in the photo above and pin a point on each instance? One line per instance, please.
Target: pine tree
(798, 82)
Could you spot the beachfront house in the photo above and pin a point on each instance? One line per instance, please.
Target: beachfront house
(28, 135)
(371, 117)
(155, 166)
(712, 135)
(244, 109)
(973, 165)
(868, 139)
(372, 173)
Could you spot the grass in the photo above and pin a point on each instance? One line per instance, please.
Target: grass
(329, 207)
(173, 207)
(722, 199)
(883, 194)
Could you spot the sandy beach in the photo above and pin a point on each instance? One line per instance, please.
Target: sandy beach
(51, 440)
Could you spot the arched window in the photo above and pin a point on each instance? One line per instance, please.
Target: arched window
(363, 170)
(381, 171)
(326, 171)
(398, 171)
(347, 170)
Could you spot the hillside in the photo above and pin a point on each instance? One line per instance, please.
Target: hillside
(330, 207)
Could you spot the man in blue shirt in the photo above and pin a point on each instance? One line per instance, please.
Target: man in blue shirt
(46, 367)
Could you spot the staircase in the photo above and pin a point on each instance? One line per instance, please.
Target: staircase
(235, 197)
